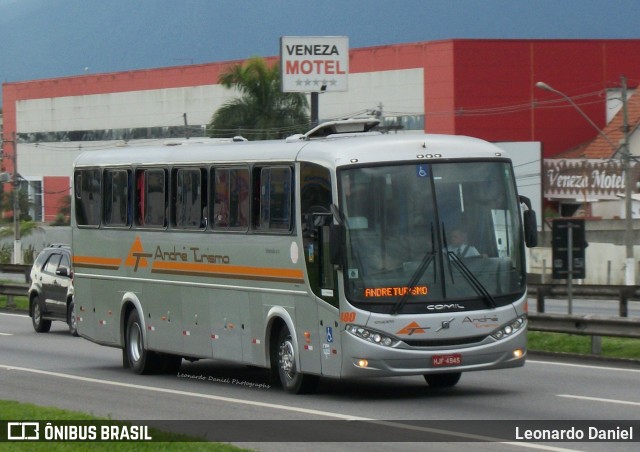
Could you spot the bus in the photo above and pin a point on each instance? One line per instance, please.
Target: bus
(326, 254)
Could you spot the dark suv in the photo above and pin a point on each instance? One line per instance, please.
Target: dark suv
(51, 290)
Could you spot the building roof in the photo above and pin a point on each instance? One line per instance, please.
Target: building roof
(599, 147)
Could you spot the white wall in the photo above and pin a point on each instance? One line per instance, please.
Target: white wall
(400, 91)
(604, 261)
(149, 108)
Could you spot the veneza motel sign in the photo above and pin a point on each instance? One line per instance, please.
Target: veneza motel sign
(314, 63)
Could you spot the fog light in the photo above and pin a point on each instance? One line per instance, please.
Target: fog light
(518, 353)
(362, 363)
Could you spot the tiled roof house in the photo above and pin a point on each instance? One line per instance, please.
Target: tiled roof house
(599, 147)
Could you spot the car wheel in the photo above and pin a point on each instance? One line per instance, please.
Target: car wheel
(72, 319)
(39, 324)
(443, 380)
(291, 379)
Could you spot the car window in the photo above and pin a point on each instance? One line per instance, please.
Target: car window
(52, 263)
(65, 262)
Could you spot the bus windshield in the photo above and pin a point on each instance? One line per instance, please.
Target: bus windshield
(432, 237)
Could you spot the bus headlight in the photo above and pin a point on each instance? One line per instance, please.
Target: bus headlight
(375, 337)
(510, 328)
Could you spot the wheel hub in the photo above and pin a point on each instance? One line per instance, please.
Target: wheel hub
(287, 360)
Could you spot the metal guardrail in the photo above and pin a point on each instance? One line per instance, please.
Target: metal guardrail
(9, 289)
(586, 325)
(24, 269)
(15, 289)
(591, 291)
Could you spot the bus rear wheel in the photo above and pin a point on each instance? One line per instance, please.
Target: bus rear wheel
(139, 358)
(292, 380)
(443, 380)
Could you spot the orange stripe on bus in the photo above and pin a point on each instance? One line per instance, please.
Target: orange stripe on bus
(228, 270)
(93, 261)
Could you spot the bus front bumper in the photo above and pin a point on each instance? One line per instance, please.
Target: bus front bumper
(365, 359)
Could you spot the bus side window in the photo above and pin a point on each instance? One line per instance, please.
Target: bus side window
(275, 198)
(230, 196)
(88, 192)
(116, 198)
(189, 198)
(151, 198)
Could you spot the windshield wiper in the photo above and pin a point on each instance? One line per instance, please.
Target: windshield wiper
(424, 264)
(471, 279)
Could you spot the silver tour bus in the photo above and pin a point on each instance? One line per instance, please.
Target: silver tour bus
(340, 253)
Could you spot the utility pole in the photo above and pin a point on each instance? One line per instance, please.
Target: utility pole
(625, 157)
(630, 267)
(17, 247)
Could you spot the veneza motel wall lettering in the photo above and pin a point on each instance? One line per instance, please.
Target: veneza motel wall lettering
(601, 179)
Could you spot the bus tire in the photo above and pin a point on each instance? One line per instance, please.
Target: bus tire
(72, 320)
(141, 360)
(447, 380)
(39, 324)
(291, 379)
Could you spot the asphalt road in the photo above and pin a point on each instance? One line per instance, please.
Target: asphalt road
(55, 369)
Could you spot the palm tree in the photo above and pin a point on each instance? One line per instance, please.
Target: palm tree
(262, 111)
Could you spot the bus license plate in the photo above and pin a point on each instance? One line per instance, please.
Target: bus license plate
(446, 360)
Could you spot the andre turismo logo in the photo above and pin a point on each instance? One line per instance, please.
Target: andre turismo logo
(170, 257)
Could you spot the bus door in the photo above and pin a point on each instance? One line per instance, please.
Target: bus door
(316, 202)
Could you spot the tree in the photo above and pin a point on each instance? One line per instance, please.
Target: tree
(262, 111)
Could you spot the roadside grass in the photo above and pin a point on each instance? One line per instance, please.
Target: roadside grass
(24, 412)
(612, 347)
(19, 303)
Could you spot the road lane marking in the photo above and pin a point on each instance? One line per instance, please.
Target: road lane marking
(13, 315)
(398, 424)
(6, 334)
(584, 366)
(598, 399)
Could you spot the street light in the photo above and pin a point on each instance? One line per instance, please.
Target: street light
(544, 86)
(626, 160)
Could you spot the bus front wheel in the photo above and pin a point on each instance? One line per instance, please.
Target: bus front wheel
(292, 380)
(443, 380)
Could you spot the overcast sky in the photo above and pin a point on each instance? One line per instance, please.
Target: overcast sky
(54, 38)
